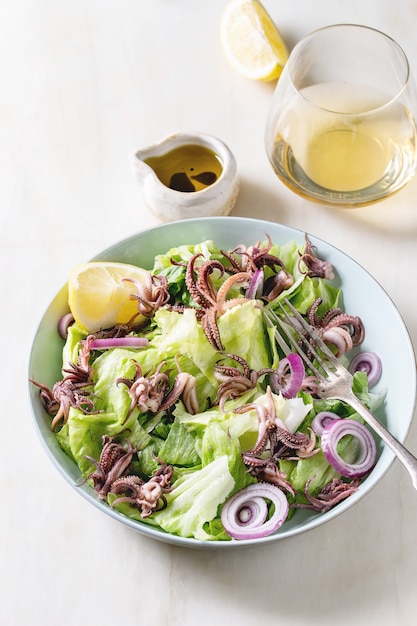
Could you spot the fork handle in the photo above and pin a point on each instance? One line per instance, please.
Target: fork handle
(407, 459)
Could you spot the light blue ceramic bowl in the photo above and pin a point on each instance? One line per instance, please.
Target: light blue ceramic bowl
(362, 295)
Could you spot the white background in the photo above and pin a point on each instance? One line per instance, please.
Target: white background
(83, 83)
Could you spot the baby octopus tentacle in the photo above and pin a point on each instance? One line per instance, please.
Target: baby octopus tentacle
(232, 388)
(316, 268)
(329, 315)
(264, 426)
(205, 284)
(185, 385)
(255, 252)
(267, 421)
(292, 440)
(313, 319)
(334, 492)
(129, 486)
(74, 390)
(273, 432)
(338, 337)
(304, 445)
(221, 302)
(261, 257)
(212, 303)
(351, 323)
(235, 265)
(113, 463)
(151, 295)
(311, 385)
(189, 394)
(252, 258)
(211, 329)
(234, 381)
(224, 372)
(146, 391)
(276, 284)
(77, 396)
(275, 442)
(141, 495)
(270, 473)
(83, 369)
(191, 283)
(337, 327)
(148, 496)
(268, 260)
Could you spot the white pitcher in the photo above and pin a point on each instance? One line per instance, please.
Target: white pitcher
(216, 198)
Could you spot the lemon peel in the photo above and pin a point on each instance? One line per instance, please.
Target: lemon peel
(99, 295)
(251, 41)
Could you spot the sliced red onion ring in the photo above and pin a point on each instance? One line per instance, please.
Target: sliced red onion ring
(323, 419)
(64, 323)
(330, 438)
(255, 288)
(340, 338)
(244, 514)
(288, 384)
(367, 362)
(119, 342)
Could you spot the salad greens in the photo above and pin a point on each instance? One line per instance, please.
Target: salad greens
(204, 448)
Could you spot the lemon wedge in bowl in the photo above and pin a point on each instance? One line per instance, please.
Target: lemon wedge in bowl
(251, 42)
(99, 293)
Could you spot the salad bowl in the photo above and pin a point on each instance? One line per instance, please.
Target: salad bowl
(362, 295)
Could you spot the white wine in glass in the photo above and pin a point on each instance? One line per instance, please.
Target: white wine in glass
(341, 129)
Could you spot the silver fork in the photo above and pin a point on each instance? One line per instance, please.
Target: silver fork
(334, 380)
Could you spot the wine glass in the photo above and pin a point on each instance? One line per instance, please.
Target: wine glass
(341, 128)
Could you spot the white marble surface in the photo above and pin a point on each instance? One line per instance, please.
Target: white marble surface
(83, 83)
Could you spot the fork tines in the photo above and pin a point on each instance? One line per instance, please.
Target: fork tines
(308, 341)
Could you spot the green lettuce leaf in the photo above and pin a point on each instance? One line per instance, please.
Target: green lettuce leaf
(179, 447)
(195, 498)
(194, 501)
(175, 272)
(243, 427)
(72, 344)
(217, 442)
(241, 329)
(82, 435)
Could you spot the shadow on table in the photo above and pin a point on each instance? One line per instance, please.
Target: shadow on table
(394, 216)
(351, 570)
(258, 202)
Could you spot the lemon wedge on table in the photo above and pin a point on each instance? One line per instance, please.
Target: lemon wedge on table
(251, 41)
(98, 295)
